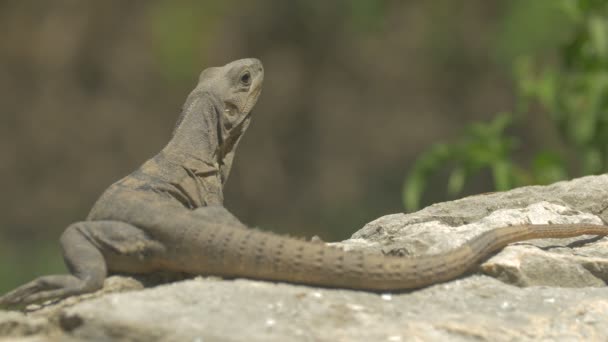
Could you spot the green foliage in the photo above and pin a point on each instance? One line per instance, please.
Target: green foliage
(483, 146)
(573, 91)
(530, 27)
(179, 31)
(366, 15)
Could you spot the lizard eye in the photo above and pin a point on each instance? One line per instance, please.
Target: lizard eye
(246, 78)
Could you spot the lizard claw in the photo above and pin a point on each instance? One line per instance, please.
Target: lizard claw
(41, 289)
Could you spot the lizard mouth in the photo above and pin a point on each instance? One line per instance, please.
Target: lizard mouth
(252, 99)
(241, 122)
(253, 96)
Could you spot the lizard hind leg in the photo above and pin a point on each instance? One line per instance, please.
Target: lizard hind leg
(86, 247)
(85, 262)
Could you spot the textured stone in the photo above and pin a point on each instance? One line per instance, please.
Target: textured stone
(477, 307)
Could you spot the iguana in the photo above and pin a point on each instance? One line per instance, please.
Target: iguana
(168, 216)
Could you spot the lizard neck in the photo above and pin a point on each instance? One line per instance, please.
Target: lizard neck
(200, 136)
(197, 134)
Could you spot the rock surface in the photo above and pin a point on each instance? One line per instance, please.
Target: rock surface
(535, 290)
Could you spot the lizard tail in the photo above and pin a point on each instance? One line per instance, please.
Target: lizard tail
(263, 255)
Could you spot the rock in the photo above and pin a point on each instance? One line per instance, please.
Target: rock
(470, 309)
(16, 324)
(535, 290)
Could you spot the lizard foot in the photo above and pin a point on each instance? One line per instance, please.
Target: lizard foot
(43, 288)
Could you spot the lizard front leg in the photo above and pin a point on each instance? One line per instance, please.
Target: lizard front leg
(89, 247)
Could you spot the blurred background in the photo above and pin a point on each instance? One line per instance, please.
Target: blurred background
(355, 92)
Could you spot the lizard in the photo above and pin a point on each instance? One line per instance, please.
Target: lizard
(168, 216)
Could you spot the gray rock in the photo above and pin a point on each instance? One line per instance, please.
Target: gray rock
(474, 308)
(547, 289)
(16, 324)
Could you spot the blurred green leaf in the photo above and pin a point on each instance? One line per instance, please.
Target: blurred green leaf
(367, 15)
(592, 160)
(483, 145)
(456, 180)
(181, 32)
(548, 167)
(522, 34)
(598, 36)
(416, 181)
(571, 8)
(501, 172)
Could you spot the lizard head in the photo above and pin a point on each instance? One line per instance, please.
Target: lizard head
(217, 112)
(238, 85)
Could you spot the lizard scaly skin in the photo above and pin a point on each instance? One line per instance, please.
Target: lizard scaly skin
(168, 216)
